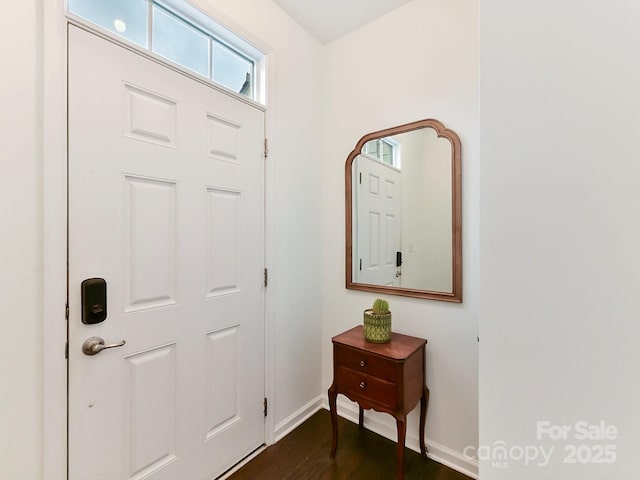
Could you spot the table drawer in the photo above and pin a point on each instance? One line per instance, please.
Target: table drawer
(366, 387)
(367, 363)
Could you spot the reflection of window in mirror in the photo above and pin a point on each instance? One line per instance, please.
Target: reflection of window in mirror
(385, 150)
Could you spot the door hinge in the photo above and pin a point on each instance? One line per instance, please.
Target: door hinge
(360, 264)
(66, 311)
(265, 406)
(266, 277)
(66, 350)
(266, 148)
(360, 178)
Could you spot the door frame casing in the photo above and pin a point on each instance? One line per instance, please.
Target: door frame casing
(54, 197)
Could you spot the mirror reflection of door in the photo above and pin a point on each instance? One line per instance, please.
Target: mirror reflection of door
(378, 208)
(403, 193)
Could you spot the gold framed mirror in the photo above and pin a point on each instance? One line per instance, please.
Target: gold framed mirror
(404, 212)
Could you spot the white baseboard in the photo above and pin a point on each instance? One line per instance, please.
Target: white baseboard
(298, 417)
(437, 452)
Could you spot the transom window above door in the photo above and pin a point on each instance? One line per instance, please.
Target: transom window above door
(182, 34)
(385, 150)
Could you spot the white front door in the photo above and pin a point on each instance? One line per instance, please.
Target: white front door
(378, 222)
(166, 204)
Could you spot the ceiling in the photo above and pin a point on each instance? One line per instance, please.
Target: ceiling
(328, 20)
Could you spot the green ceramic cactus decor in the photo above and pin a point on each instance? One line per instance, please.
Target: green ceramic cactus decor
(377, 322)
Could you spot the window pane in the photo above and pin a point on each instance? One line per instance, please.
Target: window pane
(180, 42)
(127, 18)
(371, 148)
(387, 153)
(232, 70)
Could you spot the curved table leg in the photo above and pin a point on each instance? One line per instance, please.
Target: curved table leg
(402, 433)
(334, 419)
(424, 405)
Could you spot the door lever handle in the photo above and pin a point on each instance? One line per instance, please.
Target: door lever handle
(94, 345)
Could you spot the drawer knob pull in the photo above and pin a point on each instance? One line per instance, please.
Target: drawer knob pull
(362, 384)
(362, 363)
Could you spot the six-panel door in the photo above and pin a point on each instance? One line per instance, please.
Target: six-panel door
(166, 203)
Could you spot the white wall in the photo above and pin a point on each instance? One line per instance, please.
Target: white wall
(21, 400)
(560, 230)
(430, 48)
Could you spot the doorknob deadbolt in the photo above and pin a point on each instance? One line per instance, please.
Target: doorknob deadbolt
(94, 300)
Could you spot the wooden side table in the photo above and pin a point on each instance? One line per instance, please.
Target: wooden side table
(387, 377)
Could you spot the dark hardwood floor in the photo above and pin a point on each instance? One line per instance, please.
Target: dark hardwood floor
(362, 455)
